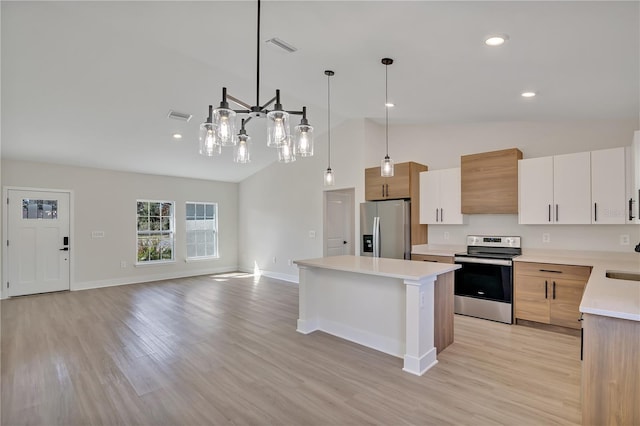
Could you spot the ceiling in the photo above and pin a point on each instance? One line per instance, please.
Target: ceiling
(90, 83)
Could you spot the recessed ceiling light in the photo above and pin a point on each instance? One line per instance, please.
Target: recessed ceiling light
(389, 104)
(528, 94)
(496, 40)
(177, 136)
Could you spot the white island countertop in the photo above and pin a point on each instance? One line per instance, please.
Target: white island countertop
(602, 296)
(382, 267)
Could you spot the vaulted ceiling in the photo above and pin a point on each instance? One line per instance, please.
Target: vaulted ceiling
(90, 83)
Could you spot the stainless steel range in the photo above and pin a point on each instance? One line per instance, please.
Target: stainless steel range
(484, 284)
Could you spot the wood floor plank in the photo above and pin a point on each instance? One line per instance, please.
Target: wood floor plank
(223, 349)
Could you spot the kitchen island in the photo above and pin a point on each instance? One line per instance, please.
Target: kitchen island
(400, 307)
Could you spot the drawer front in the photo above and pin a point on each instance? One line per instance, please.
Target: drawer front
(432, 258)
(551, 270)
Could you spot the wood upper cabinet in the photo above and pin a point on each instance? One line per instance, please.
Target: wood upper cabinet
(549, 293)
(440, 197)
(490, 182)
(405, 184)
(398, 186)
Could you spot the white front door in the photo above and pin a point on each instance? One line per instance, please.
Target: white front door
(338, 223)
(38, 239)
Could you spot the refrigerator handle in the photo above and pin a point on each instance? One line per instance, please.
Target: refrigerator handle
(376, 236)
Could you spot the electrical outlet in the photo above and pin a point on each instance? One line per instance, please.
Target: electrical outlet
(546, 237)
(446, 235)
(123, 264)
(312, 234)
(624, 240)
(422, 299)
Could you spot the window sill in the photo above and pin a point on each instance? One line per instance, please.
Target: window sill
(160, 262)
(201, 259)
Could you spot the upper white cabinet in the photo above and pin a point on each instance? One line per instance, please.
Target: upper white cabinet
(580, 188)
(572, 188)
(632, 205)
(440, 197)
(608, 186)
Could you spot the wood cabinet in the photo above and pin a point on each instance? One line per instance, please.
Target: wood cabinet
(549, 293)
(610, 371)
(432, 258)
(489, 182)
(555, 189)
(608, 186)
(405, 184)
(440, 202)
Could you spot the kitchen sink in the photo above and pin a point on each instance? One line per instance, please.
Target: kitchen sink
(620, 275)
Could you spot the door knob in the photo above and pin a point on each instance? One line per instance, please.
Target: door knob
(64, 249)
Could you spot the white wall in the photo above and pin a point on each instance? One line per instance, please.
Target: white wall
(279, 205)
(106, 201)
(440, 147)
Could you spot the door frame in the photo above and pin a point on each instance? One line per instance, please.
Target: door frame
(350, 192)
(4, 293)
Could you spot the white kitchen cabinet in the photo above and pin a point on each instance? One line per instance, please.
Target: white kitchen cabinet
(572, 188)
(632, 199)
(555, 189)
(608, 186)
(440, 197)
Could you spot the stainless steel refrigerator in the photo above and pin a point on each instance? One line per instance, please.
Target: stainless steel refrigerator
(385, 229)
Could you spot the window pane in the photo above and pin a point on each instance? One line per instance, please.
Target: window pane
(143, 208)
(39, 209)
(154, 223)
(191, 211)
(191, 250)
(209, 211)
(191, 237)
(143, 224)
(166, 224)
(200, 211)
(166, 209)
(143, 249)
(154, 209)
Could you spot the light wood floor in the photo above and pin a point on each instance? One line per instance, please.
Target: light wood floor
(216, 350)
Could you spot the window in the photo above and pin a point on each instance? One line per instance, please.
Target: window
(155, 231)
(39, 209)
(202, 230)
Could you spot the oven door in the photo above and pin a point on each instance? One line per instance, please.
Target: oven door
(489, 279)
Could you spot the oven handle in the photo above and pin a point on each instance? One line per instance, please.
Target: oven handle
(500, 262)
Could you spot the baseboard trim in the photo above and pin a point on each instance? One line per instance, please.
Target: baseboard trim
(271, 274)
(87, 285)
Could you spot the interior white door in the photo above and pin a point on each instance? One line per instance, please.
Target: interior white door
(38, 239)
(338, 223)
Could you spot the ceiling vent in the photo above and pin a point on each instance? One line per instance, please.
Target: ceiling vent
(182, 116)
(282, 44)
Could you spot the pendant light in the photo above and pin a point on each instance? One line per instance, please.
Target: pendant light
(386, 166)
(241, 153)
(208, 144)
(220, 129)
(329, 178)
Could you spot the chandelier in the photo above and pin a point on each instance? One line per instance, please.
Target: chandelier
(219, 129)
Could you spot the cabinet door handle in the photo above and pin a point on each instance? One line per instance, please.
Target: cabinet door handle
(546, 289)
(549, 212)
(386, 185)
(550, 270)
(554, 290)
(441, 215)
(383, 189)
(556, 212)
(630, 208)
(595, 212)
(436, 214)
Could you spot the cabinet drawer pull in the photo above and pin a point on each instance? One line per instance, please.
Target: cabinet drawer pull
(546, 290)
(550, 270)
(554, 291)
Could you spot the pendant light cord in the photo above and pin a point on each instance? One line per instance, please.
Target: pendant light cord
(258, 59)
(329, 116)
(386, 105)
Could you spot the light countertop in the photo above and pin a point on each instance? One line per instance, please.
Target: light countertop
(438, 249)
(392, 268)
(602, 296)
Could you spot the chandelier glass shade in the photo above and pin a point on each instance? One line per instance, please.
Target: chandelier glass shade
(219, 130)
